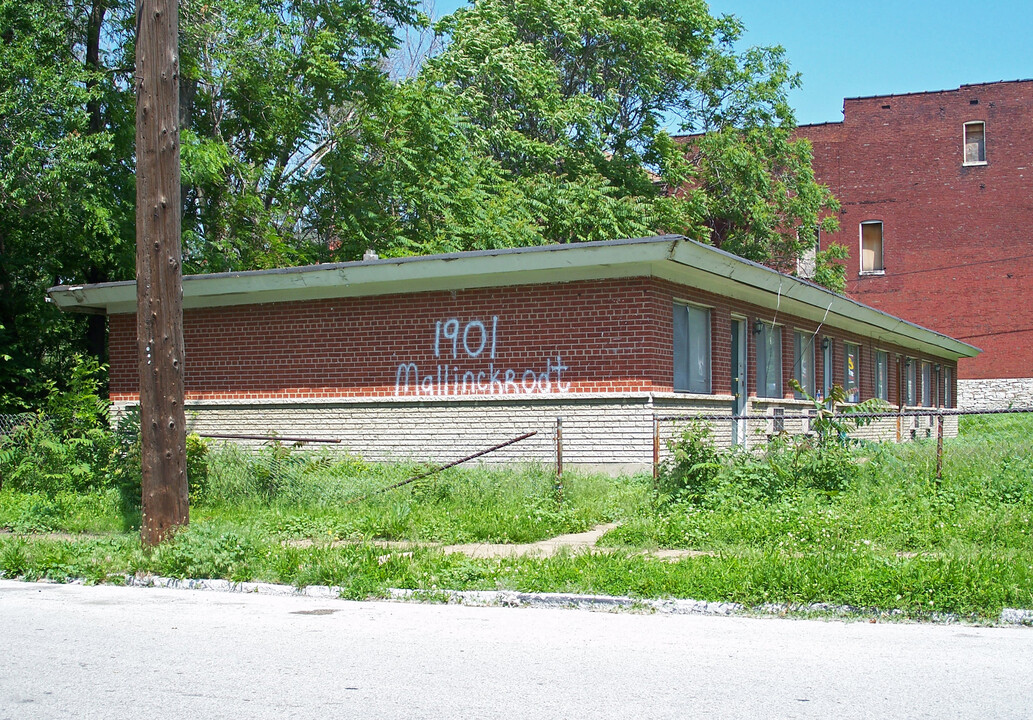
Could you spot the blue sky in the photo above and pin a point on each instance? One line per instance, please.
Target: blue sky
(878, 47)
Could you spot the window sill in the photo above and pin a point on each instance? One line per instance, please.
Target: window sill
(974, 164)
(868, 273)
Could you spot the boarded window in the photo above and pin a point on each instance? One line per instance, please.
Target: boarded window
(871, 247)
(803, 362)
(691, 349)
(852, 372)
(769, 361)
(975, 143)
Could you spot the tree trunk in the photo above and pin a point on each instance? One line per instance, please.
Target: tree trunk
(159, 290)
(95, 23)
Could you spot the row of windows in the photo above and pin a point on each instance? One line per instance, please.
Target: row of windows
(692, 363)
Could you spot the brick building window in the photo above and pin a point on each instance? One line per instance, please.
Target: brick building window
(852, 371)
(803, 362)
(975, 143)
(882, 375)
(769, 360)
(927, 384)
(948, 388)
(691, 349)
(911, 381)
(871, 247)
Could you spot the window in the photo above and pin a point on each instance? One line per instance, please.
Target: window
(807, 263)
(871, 247)
(882, 375)
(975, 143)
(948, 388)
(927, 384)
(851, 371)
(911, 368)
(691, 349)
(826, 366)
(803, 363)
(769, 361)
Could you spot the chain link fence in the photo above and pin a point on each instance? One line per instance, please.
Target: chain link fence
(9, 422)
(933, 441)
(298, 469)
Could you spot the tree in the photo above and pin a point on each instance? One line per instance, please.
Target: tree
(270, 91)
(571, 100)
(62, 214)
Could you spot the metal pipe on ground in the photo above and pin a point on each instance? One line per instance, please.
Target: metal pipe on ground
(438, 469)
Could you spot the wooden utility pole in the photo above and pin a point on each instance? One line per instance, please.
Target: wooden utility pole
(159, 276)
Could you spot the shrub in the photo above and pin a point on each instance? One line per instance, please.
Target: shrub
(693, 467)
(67, 445)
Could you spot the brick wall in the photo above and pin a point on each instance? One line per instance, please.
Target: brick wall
(958, 240)
(611, 336)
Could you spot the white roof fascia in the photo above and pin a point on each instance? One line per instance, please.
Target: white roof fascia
(459, 271)
(757, 284)
(669, 257)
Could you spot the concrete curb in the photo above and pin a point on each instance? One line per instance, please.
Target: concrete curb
(595, 603)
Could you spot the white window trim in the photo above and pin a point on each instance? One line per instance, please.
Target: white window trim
(964, 143)
(860, 248)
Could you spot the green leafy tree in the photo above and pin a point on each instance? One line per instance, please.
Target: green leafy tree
(571, 100)
(62, 192)
(273, 101)
(268, 90)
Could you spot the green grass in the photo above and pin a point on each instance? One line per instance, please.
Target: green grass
(892, 538)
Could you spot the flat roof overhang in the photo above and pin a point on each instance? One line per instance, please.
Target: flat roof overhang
(670, 257)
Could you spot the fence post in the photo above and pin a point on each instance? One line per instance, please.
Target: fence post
(656, 449)
(559, 459)
(939, 447)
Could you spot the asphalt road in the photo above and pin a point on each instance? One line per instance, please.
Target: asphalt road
(110, 652)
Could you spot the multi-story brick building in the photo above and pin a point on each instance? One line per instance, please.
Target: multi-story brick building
(937, 213)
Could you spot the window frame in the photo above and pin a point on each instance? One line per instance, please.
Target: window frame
(768, 330)
(948, 387)
(926, 396)
(803, 339)
(828, 365)
(689, 383)
(911, 382)
(853, 391)
(881, 270)
(881, 375)
(964, 143)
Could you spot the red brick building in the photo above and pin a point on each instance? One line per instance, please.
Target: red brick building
(937, 213)
(439, 356)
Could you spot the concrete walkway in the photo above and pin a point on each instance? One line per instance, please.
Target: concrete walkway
(572, 543)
